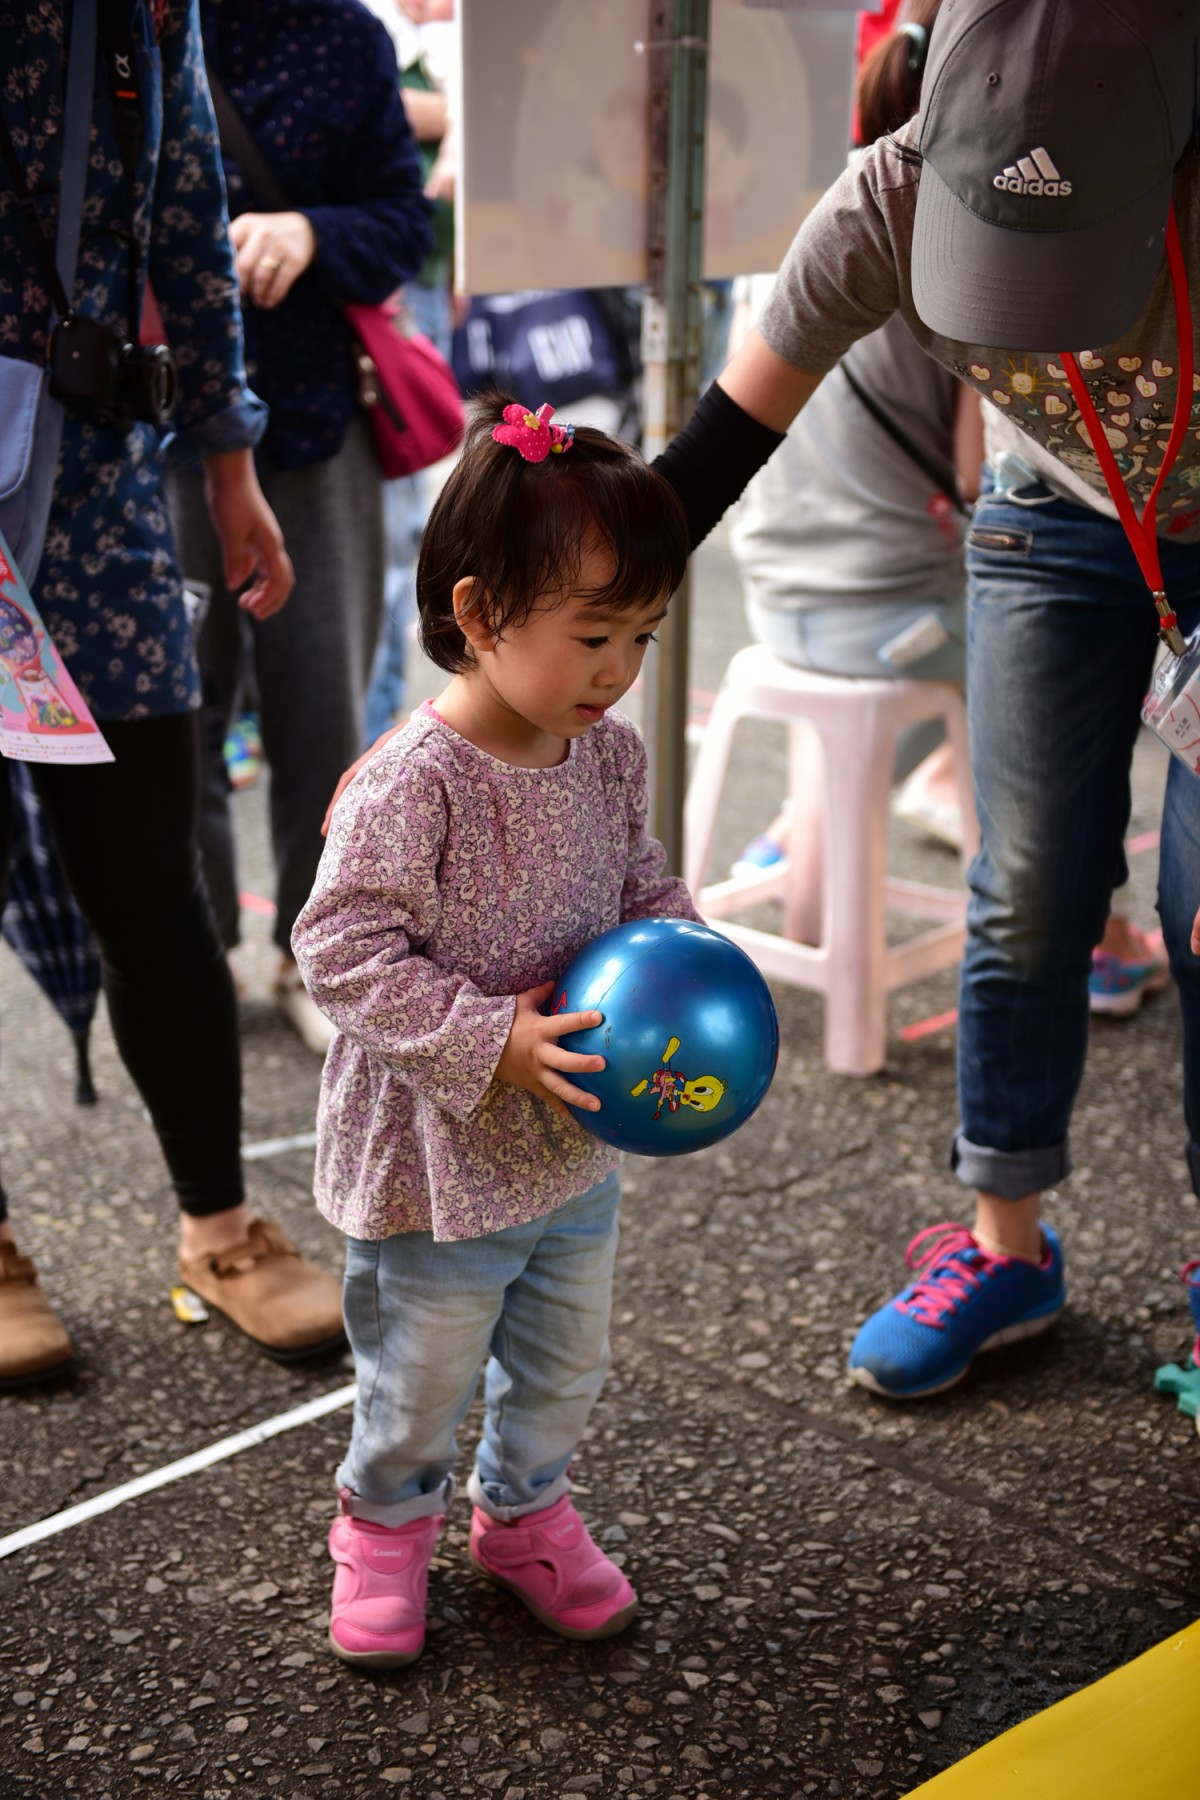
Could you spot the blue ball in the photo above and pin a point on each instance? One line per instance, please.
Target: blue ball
(690, 1037)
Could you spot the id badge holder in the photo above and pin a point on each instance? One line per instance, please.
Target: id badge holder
(1172, 707)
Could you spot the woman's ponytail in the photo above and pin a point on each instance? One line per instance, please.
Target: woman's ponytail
(889, 82)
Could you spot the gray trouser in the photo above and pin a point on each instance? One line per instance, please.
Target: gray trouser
(311, 661)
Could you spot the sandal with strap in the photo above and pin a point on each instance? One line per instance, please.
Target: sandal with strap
(285, 1305)
(33, 1340)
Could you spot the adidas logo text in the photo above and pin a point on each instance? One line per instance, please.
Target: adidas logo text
(1033, 174)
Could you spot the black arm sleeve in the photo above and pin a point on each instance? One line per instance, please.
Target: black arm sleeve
(710, 461)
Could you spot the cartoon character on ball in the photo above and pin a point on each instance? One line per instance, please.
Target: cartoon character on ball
(666, 985)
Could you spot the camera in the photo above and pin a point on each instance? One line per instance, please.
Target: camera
(98, 373)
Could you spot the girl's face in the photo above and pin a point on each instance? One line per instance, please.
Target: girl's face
(552, 678)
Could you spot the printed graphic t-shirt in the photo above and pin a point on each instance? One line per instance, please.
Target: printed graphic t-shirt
(849, 269)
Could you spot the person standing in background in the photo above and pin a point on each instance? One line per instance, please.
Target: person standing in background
(125, 831)
(1040, 243)
(317, 93)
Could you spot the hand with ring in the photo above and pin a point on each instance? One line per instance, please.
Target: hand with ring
(271, 251)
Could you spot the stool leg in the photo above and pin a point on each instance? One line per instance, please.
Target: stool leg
(704, 789)
(805, 881)
(858, 753)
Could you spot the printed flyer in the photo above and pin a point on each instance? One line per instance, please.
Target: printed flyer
(42, 716)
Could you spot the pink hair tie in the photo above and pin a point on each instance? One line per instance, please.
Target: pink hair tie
(533, 434)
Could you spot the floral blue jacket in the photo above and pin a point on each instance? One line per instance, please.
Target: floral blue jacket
(108, 586)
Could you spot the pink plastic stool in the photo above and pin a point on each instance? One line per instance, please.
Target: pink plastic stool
(858, 722)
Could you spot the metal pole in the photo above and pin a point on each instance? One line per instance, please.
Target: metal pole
(672, 340)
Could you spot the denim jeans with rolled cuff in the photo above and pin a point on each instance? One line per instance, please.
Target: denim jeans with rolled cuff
(422, 1318)
(1061, 637)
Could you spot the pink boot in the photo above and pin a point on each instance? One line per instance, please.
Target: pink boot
(378, 1617)
(548, 1560)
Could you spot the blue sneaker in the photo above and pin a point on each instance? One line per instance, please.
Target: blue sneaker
(1118, 984)
(760, 855)
(1183, 1381)
(965, 1299)
(1190, 1277)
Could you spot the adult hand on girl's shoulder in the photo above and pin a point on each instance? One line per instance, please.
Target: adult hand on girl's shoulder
(345, 780)
(533, 1059)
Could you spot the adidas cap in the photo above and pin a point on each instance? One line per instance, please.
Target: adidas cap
(1049, 130)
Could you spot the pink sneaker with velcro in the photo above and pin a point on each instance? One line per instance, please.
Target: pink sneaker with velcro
(378, 1617)
(548, 1560)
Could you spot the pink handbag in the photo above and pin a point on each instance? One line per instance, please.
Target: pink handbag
(407, 389)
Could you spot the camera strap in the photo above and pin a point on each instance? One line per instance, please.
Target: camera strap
(58, 260)
(120, 62)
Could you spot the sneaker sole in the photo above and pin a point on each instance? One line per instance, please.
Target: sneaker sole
(610, 1627)
(373, 1659)
(1012, 1334)
(1121, 1006)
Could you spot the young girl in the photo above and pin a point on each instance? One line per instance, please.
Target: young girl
(487, 841)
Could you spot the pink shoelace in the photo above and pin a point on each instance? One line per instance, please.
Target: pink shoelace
(954, 1263)
(1191, 1281)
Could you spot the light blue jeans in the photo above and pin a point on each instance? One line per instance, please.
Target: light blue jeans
(855, 640)
(422, 1317)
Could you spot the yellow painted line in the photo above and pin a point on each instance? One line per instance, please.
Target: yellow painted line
(1135, 1735)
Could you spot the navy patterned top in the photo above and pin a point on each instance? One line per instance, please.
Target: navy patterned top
(315, 82)
(108, 586)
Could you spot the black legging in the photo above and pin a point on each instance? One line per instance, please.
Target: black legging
(125, 832)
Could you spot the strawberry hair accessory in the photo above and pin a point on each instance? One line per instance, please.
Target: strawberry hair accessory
(533, 434)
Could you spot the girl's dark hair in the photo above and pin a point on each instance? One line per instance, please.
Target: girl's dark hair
(889, 82)
(520, 531)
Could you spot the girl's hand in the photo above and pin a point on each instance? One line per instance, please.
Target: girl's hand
(345, 779)
(532, 1059)
(251, 541)
(272, 250)
(1196, 935)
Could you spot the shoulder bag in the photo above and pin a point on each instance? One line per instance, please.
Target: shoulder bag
(405, 385)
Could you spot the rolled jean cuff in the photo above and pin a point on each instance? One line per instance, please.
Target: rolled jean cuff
(506, 1514)
(1012, 1174)
(421, 1506)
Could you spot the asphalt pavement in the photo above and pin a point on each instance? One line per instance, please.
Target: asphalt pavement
(839, 1597)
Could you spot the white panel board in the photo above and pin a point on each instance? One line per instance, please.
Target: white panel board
(553, 190)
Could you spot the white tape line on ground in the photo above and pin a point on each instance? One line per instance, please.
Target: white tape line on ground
(303, 1140)
(176, 1471)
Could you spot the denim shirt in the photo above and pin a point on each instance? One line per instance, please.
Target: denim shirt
(315, 82)
(108, 587)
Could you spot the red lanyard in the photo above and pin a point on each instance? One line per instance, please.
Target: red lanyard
(1143, 539)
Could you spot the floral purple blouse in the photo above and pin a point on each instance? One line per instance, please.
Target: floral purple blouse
(450, 883)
